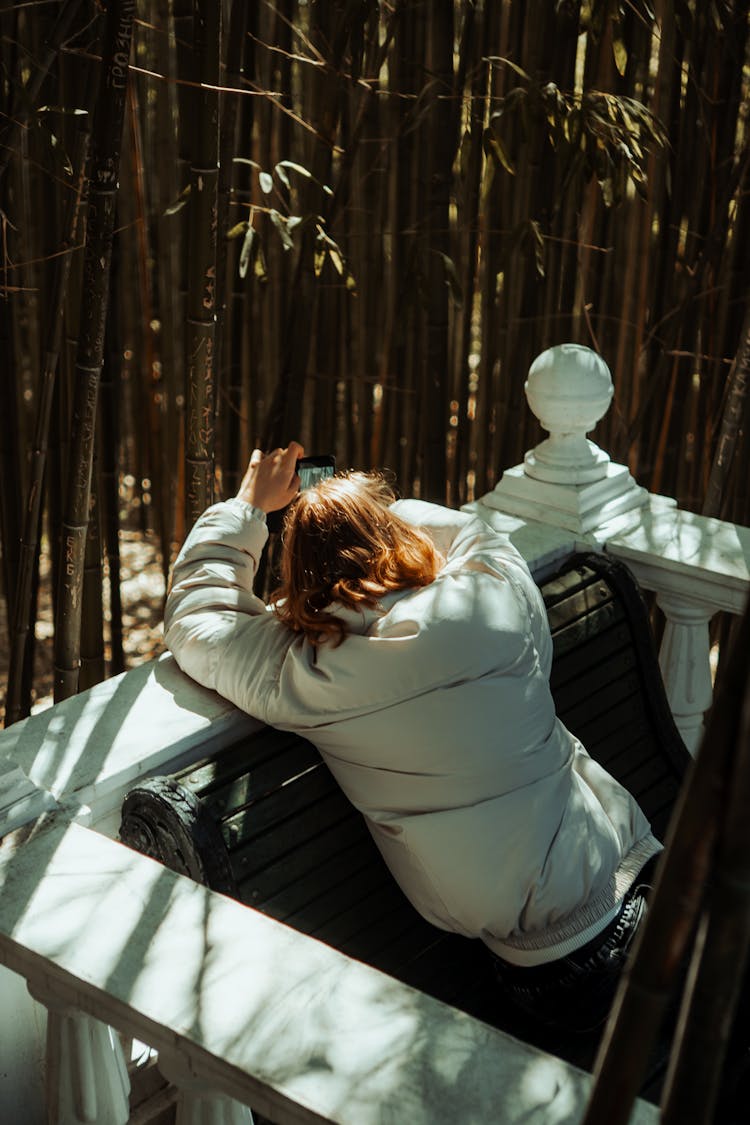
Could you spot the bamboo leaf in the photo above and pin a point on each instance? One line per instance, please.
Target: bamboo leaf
(620, 52)
(493, 146)
(246, 253)
(260, 270)
(266, 182)
(281, 173)
(538, 244)
(281, 225)
(179, 203)
(237, 230)
(280, 170)
(62, 109)
(500, 60)
(451, 279)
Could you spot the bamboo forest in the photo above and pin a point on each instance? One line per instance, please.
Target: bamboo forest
(352, 223)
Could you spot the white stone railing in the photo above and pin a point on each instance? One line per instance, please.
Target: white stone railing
(244, 1011)
(568, 495)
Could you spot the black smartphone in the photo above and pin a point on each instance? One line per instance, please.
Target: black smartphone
(312, 470)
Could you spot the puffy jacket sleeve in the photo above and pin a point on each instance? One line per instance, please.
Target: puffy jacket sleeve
(220, 633)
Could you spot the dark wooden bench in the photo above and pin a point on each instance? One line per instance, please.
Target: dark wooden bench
(265, 822)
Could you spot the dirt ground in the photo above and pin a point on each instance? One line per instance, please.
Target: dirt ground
(142, 591)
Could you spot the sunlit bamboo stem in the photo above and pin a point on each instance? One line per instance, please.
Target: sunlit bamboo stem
(201, 311)
(107, 139)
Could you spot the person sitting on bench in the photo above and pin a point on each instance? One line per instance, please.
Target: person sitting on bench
(409, 643)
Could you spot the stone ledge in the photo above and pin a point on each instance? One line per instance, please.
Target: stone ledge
(258, 1011)
(88, 750)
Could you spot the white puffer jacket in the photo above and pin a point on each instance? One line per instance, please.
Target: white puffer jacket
(436, 718)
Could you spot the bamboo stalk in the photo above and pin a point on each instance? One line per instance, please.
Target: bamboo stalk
(228, 385)
(735, 411)
(676, 900)
(92, 612)
(201, 312)
(23, 607)
(107, 138)
(441, 148)
(169, 239)
(109, 477)
(692, 1085)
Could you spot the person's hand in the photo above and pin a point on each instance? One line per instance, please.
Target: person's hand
(271, 481)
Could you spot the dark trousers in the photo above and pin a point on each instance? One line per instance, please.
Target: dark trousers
(575, 993)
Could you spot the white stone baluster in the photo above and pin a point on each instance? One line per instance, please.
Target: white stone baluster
(87, 1078)
(197, 1103)
(567, 495)
(685, 665)
(567, 480)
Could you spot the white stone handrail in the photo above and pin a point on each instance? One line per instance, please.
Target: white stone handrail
(246, 1008)
(567, 495)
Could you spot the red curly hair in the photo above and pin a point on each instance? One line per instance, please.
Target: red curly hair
(343, 544)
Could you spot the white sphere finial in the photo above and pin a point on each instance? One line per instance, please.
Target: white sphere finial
(569, 389)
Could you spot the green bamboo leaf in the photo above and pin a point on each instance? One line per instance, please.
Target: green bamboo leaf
(451, 280)
(620, 53)
(538, 244)
(573, 126)
(180, 202)
(500, 60)
(266, 182)
(260, 269)
(62, 109)
(608, 191)
(493, 146)
(280, 170)
(246, 160)
(319, 259)
(246, 253)
(281, 225)
(281, 173)
(237, 230)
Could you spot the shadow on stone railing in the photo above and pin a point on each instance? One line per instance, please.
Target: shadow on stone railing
(242, 1009)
